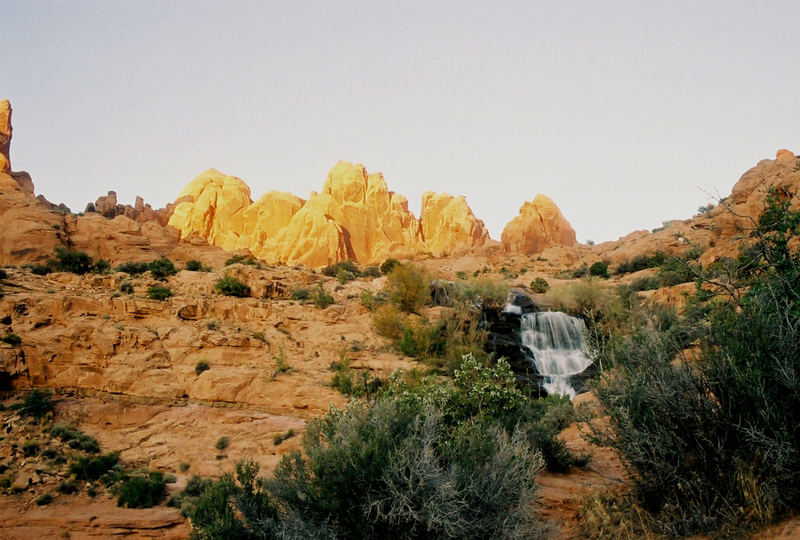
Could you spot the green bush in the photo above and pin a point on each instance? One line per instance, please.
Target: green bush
(646, 283)
(349, 267)
(126, 287)
(194, 265)
(30, 448)
(159, 293)
(161, 268)
(91, 468)
(222, 443)
(200, 367)
(3, 273)
(371, 272)
(241, 259)
(279, 438)
(101, 266)
(75, 438)
(11, 339)
(66, 260)
(133, 268)
(300, 294)
(320, 297)
(39, 270)
(231, 286)
(540, 285)
(388, 265)
(45, 499)
(599, 269)
(343, 276)
(142, 491)
(641, 262)
(409, 287)
(37, 403)
(67, 487)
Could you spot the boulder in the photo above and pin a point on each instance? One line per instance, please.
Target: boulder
(448, 224)
(538, 226)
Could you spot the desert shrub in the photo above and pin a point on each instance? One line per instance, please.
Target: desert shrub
(75, 438)
(599, 269)
(201, 366)
(3, 273)
(159, 293)
(371, 272)
(483, 292)
(194, 265)
(388, 265)
(389, 321)
(645, 283)
(408, 287)
(241, 259)
(66, 260)
(371, 301)
(300, 294)
(349, 267)
(231, 286)
(540, 285)
(714, 443)
(126, 287)
(133, 268)
(11, 339)
(183, 466)
(101, 266)
(641, 262)
(39, 270)
(37, 403)
(142, 491)
(67, 487)
(161, 268)
(91, 468)
(351, 383)
(280, 437)
(30, 448)
(343, 276)
(45, 499)
(320, 297)
(421, 339)
(222, 443)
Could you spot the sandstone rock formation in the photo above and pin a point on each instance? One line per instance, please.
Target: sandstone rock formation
(538, 226)
(355, 216)
(448, 224)
(212, 206)
(5, 136)
(107, 207)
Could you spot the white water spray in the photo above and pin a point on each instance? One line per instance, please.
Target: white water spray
(559, 351)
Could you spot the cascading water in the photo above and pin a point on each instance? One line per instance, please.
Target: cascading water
(557, 348)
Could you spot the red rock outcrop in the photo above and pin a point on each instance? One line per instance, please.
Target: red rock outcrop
(108, 207)
(538, 226)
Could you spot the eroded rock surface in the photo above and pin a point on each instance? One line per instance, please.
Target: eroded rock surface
(538, 226)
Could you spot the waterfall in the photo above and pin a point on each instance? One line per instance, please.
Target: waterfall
(556, 343)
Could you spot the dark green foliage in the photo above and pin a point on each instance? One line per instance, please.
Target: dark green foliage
(101, 266)
(300, 294)
(67, 487)
(641, 262)
(231, 286)
(37, 403)
(67, 260)
(194, 265)
(371, 272)
(133, 268)
(646, 283)
(599, 269)
(161, 268)
(45, 499)
(351, 383)
(142, 491)
(716, 443)
(39, 270)
(91, 468)
(320, 297)
(159, 293)
(278, 439)
(540, 285)
(126, 287)
(241, 259)
(343, 267)
(3, 273)
(30, 448)
(409, 287)
(201, 366)
(222, 443)
(11, 339)
(388, 265)
(75, 439)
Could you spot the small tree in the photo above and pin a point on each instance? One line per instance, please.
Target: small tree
(231, 286)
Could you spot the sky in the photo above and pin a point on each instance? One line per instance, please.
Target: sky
(625, 113)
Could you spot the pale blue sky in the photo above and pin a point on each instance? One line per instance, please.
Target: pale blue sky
(620, 111)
